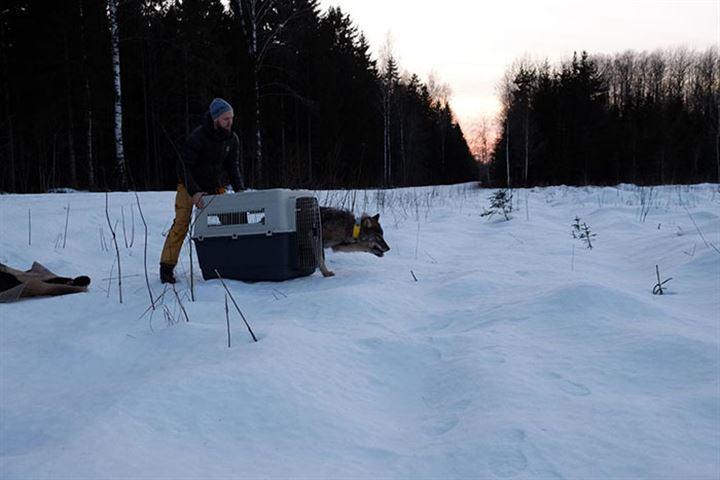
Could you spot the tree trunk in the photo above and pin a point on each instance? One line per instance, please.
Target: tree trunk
(10, 185)
(258, 136)
(717, 141)
(11, 142)
(296, 161)
(88, 104)
(386, 147)
(507, 148)
(283, 167)
(187, 94)
(309, 149)
(146, 115)
(249, 28)
(527, 144)
(72, 165)
(662, 167)
(402, 150)
(115, 45)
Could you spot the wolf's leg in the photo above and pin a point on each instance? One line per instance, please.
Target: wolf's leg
(323, 267)
(320, 257)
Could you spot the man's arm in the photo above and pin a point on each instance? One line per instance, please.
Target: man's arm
(233, 166)
(188, 159)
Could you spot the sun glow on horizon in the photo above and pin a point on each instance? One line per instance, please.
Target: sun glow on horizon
(470, 44)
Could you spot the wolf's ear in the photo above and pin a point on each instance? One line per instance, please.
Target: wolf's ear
(376, 217)
(367, 223)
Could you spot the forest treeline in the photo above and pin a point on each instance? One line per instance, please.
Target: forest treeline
(313, 108)
(636, 117)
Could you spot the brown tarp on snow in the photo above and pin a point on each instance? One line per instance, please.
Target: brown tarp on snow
(38, 281)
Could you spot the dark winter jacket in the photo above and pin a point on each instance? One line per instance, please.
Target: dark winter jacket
(209, 158)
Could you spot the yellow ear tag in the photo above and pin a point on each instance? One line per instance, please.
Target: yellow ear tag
(356, 231)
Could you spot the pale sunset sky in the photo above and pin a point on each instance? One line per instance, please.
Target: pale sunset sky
(469, 44)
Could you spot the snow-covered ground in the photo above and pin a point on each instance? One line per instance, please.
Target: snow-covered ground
(517, 353)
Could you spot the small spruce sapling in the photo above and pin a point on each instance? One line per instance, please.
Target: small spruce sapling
(500, 202)
(583, 233)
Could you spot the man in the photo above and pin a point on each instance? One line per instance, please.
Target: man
(210, 151)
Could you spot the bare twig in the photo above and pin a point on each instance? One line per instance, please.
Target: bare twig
(192, 276)
(147, 279)
(152, 306)
(103, 247)
(417, 240)
(707, 244)
(168, 316)
(657, 289)
(236, 305)
(527, 210)
(67, 218)
(413, 275)
(122, 215)
(227, 320)
(187, 319)
(124, 276)
(117, 250)
(112, 268)
(132, 232)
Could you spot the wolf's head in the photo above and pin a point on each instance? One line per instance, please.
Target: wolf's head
(371, 235)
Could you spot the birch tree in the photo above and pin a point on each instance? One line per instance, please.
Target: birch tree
(389, 81)
(440, 93)
(115, 47)
(251, 14)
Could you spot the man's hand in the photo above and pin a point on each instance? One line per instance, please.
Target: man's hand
(197, 199)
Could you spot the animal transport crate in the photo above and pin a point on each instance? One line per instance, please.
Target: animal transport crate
(259, 235)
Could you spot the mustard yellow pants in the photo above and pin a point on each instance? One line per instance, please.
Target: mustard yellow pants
(177, 234)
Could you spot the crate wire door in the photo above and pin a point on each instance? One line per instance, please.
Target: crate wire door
(309, 232)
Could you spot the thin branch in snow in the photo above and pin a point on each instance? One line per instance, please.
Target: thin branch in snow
(117, 250)
(67, 219)
(192, 276)
(132, 221)
(147, 278)
(187, 319)
(707, 244)
(417, 241)
(432, 259)
(236, 305)
(112, 268)
(122, 215)
(657, 289)
(227, 320)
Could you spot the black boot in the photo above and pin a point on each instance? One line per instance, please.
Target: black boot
(166, 273)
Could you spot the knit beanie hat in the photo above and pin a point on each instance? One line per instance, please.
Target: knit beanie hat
(219, 106)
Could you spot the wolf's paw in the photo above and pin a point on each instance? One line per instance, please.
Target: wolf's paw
(328, 273)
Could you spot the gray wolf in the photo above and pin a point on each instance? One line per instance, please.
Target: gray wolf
(342, 232)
